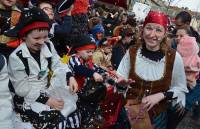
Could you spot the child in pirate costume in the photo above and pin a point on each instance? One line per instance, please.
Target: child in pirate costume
(158, 72)
(30, 68)
(85, 71)
(91, 82)
(9, 16)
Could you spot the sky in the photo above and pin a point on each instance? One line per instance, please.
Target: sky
(193, 5)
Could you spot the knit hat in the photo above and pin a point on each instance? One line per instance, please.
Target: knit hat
(30, 19)
(84, 42)
(97, 28)
(189, 50)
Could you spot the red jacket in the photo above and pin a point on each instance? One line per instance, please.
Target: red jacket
(80, 6)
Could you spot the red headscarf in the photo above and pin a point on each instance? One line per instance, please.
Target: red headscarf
(157, 17)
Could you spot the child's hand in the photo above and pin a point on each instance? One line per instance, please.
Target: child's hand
(55, 103)
(97, 77)
(73, 86)
(124, 82)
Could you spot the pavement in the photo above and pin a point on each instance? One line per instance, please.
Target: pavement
(189, 123)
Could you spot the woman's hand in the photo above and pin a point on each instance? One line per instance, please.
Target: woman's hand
(151, 100)
(73, 85)
(55, 103)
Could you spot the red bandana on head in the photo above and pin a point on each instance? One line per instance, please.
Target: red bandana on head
(32, 26)
(156, 17)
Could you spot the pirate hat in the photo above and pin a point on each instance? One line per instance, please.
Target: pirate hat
(63, 5)
(84, 42)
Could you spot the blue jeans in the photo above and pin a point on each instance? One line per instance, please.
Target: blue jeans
(160, 121)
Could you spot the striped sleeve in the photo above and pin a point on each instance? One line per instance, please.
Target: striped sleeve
(78, 68)
(74, 61)
(99, 69)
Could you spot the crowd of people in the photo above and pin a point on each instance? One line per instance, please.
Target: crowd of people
(80, 64)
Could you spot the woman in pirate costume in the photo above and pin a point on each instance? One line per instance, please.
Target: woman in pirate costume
(30, 68)
(158, 72)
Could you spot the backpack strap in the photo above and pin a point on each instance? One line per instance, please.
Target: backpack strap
(49, 58)
(50, 73)
(2, 62)
(24, 61)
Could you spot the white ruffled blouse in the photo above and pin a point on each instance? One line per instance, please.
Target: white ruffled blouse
(150, 70)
